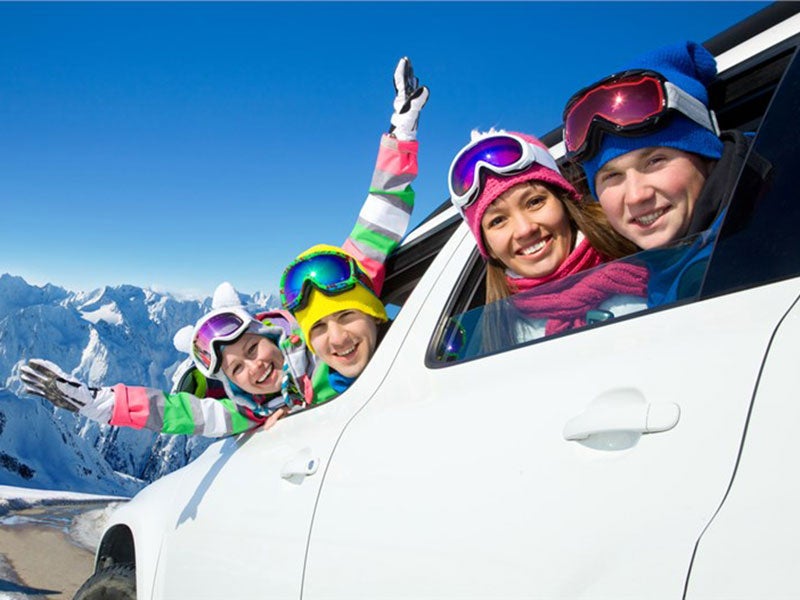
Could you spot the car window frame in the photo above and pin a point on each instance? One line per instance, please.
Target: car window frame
(464, 292)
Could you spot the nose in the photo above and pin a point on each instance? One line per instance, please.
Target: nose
(337, 335)
(251, 364)
(637, 188)
(523, 225)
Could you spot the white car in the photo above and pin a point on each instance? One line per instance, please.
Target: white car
(645, 456)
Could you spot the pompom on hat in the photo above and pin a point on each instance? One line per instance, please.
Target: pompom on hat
(320, 305)
(690, 67)
(494, 185)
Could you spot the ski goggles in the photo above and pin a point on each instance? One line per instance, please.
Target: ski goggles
(328, 271)
(222, 326)
(629, 103)
(502, 154)
(453, 343)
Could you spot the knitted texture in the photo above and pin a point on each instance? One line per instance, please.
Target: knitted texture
(320, 305)
(690, 67)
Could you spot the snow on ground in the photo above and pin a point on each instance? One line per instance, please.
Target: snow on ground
(17, 498)
(85, 529)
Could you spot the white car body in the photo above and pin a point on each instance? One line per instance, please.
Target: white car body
(646, 458)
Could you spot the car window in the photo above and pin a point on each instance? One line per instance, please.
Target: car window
(614, 290)
(758, 241)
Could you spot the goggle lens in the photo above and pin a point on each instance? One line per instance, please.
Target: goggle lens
(623, 102)
(453, 344)
(222, 325)
(328, 272)
(497, 151)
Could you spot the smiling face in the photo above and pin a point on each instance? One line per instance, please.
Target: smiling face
(254, 363)
(345, 341)
(649, 194)
(527, 229)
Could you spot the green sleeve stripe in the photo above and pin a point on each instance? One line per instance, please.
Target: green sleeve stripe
(239, 422)
(373, 239)
(406, 195)
(178, 414)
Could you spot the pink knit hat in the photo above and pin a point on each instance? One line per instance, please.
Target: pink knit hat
(494, 185)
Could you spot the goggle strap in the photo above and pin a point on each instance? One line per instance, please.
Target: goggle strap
(691, 107)
(543, 157)
(540, 156)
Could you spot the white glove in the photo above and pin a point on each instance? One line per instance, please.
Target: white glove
(408, 101)
(46, 379)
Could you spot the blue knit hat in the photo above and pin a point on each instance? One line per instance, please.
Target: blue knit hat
(690, 67)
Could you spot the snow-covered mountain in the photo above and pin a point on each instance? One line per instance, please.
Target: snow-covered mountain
(111, 335)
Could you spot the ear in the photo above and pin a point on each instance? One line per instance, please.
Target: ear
(225, 295)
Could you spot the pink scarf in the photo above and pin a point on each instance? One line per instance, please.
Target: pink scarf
(565, 303)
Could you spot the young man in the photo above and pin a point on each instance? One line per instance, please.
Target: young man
(650, 146)
(654, 158)
(336, 304)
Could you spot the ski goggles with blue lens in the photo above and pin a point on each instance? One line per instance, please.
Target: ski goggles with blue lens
(630, 103)
(328, 271)
(453, 342)
(502, 154)
(219, 327)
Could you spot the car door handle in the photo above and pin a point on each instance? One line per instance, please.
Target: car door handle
(623, 414)
(300, 465)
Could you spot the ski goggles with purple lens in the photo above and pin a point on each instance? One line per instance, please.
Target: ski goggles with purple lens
(221, 326)
(328, 271)
(630, 103)
(502, 154)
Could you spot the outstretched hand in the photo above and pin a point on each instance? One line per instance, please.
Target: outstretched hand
(409, 99)
(46, 379)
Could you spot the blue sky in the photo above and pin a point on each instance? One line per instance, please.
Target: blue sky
(177, 145)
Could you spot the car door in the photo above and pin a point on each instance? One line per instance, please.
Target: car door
(584, 465)
(238, 525)
(750, 548)
(240, 520)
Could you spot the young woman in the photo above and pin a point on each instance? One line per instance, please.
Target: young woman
(532, 228)
(260, 362)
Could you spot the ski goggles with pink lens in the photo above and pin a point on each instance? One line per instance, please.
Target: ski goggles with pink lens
(221, 326)
(502, 154)
(630, 103)
(329, 271)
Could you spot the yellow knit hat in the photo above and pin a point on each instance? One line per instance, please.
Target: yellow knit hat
(320, 305)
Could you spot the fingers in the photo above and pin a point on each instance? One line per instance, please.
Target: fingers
(45, 379)
(46, 369)
(273, 418)
(400, 74)
(405, 83)
(32, 379)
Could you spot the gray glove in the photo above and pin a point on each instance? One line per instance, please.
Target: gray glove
(408, 101)
(44, 378)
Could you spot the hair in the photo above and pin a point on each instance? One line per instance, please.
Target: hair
(588, 217)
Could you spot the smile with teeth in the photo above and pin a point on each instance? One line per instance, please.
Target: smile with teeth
(346, 352)
(649, 219)
(266, 374)
(534, 248)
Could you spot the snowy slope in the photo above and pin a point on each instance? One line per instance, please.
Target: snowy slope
(111, 335)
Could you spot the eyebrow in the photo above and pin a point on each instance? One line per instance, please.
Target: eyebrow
(642, 153)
